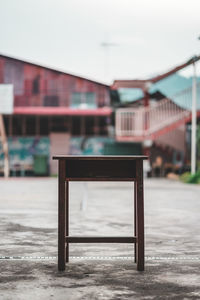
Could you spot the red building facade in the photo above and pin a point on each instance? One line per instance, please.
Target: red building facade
(41, 91)
(54, 113)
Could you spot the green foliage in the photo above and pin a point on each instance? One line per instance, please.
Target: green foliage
(185, 176)
(191, 178)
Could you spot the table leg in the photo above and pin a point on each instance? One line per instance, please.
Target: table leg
(135, 224)
(61, 216)
(67, 217)
(140, 216)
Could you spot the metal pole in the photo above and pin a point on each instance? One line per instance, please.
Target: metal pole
(194, 121)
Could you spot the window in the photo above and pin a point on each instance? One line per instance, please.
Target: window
(36, 86)
(51, 101)
(83, 100)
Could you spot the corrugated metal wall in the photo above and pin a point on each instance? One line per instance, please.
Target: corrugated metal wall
(39, 86)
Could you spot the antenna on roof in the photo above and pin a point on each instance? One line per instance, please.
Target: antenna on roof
(106, 46)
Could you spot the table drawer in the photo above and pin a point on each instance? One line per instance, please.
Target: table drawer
(100, 169)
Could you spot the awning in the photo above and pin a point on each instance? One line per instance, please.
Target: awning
(62, 111)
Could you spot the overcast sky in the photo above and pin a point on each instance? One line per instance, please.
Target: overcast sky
(145, 37)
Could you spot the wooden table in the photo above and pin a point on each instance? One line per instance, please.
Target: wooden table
(99, 168)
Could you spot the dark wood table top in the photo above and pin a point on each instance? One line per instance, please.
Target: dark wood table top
(100, 157)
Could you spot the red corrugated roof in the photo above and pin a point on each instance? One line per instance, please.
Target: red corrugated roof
(143, 84)
(39, 110)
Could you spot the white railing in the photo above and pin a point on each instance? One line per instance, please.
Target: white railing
(144, 121)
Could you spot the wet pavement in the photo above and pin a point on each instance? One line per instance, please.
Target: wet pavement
(28, 232)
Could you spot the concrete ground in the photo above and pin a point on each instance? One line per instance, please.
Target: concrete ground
(28, 232)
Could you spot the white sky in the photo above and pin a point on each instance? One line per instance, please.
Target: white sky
(151, 36)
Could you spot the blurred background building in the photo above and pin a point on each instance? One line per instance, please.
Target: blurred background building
(53, 112)
(157, 113)
(60, 113)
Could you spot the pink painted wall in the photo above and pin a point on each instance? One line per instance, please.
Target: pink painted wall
(174, 138)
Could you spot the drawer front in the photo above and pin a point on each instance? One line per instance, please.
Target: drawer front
(100, 169)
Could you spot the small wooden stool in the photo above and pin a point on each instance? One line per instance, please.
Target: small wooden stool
(99, 168)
